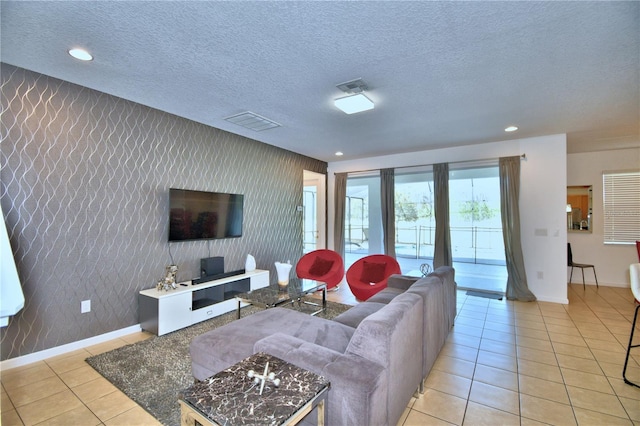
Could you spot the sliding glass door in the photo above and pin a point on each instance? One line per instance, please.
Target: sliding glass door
(476, 228)
(415, 220)
(474, 205)
(363, 218)
(475, 225)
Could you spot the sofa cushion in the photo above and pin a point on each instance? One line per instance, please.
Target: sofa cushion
(359, 387)
(217, 349)
(448, 276)
(355, 315)
(320, 266)
(431, 289)
(401, 282)
(385, 296)
(373, 272)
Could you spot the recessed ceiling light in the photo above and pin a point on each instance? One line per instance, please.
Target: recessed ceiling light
(80, 54)
(511, 129)
(354, 103)
(339, 154)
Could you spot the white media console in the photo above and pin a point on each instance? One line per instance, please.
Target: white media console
(161, 312)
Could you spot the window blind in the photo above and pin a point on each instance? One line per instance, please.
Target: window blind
(621, 197)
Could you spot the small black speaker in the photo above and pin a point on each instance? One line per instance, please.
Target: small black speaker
(211, 266)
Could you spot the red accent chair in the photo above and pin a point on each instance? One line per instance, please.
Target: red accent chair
(321, 265)
(369, 275)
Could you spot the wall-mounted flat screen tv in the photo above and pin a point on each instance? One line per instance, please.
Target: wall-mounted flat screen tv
(200, 215)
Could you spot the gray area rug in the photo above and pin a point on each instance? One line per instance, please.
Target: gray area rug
(154, 371)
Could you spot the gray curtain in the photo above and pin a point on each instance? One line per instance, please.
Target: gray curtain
(340, 203)
(442, 246)
(517, 288)
(387, 197)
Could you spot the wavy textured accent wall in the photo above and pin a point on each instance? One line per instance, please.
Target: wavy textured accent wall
(85, 179)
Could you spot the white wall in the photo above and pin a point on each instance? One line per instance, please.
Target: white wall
(542, 200)
(611, 261)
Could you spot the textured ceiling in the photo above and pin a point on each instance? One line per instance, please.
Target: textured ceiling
(441, 73)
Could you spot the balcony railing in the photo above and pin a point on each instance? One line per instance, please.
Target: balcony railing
(469, 244)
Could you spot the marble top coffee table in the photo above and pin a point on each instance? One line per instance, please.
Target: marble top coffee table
(276, 295)
(231, 397)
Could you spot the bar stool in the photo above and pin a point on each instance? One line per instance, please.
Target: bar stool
(635, 289)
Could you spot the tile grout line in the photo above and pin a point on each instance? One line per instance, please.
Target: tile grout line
(475, 366)
(607, 378)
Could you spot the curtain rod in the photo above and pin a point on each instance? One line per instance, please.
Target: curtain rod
(522, 156)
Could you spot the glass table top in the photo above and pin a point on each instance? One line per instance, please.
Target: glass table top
(275, 294)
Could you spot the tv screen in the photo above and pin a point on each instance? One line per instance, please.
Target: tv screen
(199, 215)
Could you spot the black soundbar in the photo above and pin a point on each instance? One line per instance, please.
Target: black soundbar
(217, 276)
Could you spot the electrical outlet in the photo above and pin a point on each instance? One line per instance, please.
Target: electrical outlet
(540, 275)
(85, 306)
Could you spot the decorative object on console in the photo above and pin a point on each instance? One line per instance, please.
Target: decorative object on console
(250, 264)
(169, 280)
(283, 270)
(425, 269)
(262, 378)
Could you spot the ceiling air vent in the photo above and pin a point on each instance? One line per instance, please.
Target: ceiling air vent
(353, 86)
(252, 121)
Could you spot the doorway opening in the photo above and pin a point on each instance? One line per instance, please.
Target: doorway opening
(314, 221)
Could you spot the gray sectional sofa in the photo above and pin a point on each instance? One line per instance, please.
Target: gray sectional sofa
(375, 355)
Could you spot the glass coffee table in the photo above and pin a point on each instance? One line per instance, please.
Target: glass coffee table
(276, 295)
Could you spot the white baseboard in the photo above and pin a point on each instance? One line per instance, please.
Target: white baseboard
(619, 285)
(69, 347)
(552, 300)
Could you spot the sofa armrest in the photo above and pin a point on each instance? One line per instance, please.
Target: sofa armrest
(402, 282)
(358, 386)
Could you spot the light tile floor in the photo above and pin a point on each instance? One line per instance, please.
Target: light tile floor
(65, 390)
(513, 363)
(504, 363)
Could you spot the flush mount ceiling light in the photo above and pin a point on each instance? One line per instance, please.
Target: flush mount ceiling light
(511, 129)
(356, 101)
(252, 121)
(80, 54)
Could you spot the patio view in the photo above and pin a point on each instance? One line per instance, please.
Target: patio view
(476, 230)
